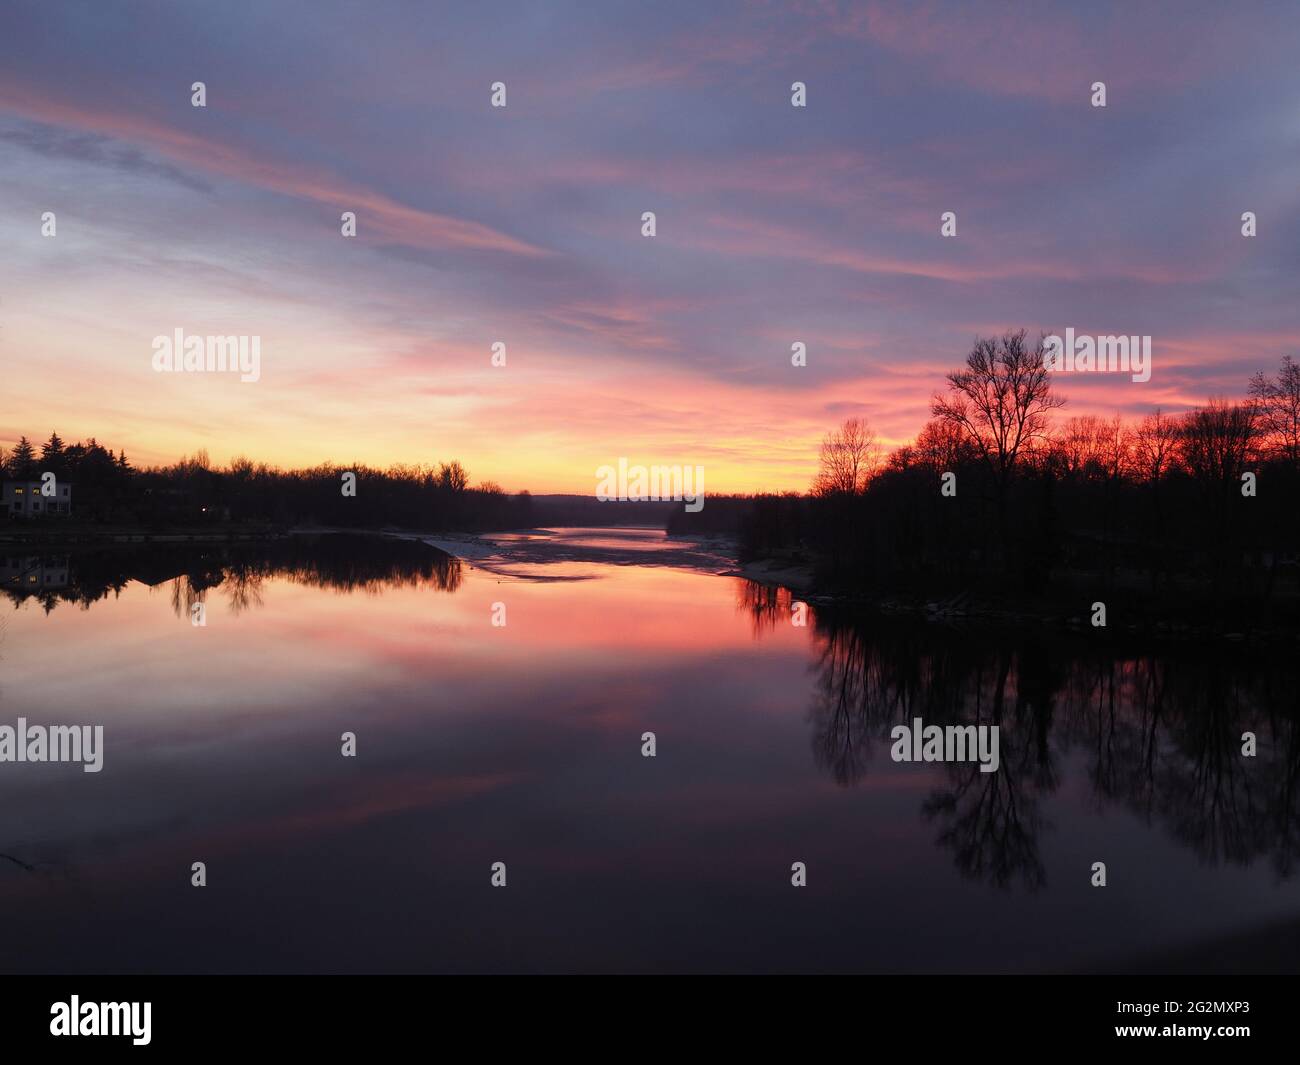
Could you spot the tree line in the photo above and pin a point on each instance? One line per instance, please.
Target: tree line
(999, 492)
(194, 491)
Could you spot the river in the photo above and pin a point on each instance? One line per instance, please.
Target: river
(499, 708)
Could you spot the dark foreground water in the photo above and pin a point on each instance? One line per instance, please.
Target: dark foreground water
(522, 744)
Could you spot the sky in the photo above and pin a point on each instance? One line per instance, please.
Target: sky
(523, 224)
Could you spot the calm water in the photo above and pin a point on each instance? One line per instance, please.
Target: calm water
(522, 743)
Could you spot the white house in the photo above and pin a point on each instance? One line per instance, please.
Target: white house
(23, 499)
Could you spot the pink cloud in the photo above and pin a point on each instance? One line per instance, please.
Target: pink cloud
(1056, 56)
(376, 212)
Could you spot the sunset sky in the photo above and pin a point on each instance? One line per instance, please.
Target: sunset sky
(523, 225)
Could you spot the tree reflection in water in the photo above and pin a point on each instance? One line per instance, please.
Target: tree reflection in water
(342, 562)
(1159, 729)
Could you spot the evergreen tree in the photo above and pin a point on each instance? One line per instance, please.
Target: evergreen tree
(22, 463)
(52, 455)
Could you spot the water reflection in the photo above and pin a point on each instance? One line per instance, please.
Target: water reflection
(1155, 732)
(523, 743)
(337, 562)
(1159, 730)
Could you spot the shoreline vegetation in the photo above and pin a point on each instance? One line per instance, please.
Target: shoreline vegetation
(1002, 510)
(998, 510)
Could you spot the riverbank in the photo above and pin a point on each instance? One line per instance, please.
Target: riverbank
(779, 573)
(1068, 610)
(51, 538)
